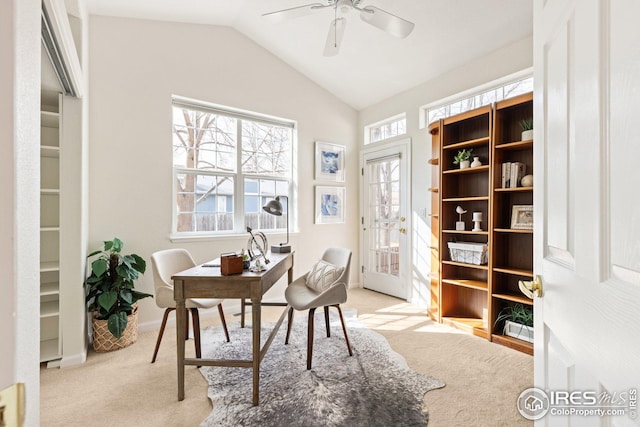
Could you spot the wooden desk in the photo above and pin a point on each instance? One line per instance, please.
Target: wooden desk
(208, 282)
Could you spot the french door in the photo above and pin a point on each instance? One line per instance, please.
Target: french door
(385, 219)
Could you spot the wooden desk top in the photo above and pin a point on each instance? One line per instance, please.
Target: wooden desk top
(208, 282)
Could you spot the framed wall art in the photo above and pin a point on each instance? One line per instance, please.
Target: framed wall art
(330, 162)
(330, 205)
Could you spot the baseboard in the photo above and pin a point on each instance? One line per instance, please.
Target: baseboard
(73, 360)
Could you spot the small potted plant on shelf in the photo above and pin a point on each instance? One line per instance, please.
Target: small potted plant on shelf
(462, 158)
(111, 297)
(518, 321)
(527, 129)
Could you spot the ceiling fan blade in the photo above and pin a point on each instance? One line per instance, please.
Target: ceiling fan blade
(294, 12)
(386, 21)
(334, 37)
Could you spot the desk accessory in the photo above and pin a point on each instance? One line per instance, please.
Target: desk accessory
(230, 263)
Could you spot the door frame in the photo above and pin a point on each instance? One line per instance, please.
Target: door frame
(403, 146)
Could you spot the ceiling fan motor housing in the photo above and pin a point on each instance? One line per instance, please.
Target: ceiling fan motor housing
(353, 2)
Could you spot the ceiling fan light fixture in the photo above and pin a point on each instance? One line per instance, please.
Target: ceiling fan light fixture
(344, 6)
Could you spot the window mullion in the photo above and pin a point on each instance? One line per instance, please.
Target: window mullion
(238, 205)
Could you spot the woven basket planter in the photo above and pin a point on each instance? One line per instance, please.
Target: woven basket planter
(103, 340)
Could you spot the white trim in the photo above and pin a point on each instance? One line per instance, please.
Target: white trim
(199, 237)
(494, 84)
(224, 110)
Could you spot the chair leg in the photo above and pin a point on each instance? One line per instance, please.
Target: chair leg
(186, 324)
(242, 304)
(310, 337)
(344, 329)
(326, 320)
(161, 333)
(196, 330)
(289, 322)
(224, 322)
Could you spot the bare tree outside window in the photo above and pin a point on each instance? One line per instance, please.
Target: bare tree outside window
(479, 100)
(387, 129)
(214, 155)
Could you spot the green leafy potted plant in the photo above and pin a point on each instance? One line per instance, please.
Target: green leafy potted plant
(111, 296)
(518, 321)
(527, 129)
(462, 158)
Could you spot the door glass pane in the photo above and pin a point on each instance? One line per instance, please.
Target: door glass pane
(384, 206)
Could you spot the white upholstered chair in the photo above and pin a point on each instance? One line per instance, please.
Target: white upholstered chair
(165, 264)
(325, 285)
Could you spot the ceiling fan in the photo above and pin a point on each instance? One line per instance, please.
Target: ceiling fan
(377, 17)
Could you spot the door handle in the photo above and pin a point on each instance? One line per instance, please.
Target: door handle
(403, 230)
(531, 288)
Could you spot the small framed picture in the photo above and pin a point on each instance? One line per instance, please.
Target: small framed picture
(330, 205)
(330, 162)
(522, 217)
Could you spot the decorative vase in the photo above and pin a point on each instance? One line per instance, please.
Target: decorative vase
(527, 135)
(476, 162)
(464, 164)
(527, 181)
(103, 340)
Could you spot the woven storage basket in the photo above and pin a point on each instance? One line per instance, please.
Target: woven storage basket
(103, 340)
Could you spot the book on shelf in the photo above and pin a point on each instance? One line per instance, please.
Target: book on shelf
(517, 172)
(506, 174)
(512, 172)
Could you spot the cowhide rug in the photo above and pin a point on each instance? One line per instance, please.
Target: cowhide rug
(375, 387)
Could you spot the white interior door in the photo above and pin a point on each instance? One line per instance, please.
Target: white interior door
(587, 212)
(386, 220)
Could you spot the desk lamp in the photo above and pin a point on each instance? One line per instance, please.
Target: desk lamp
(274, 207)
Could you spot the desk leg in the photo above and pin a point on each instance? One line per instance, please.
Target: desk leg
(181, 313)
(256, 311)
(242, 310)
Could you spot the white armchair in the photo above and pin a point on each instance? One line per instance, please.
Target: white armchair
(324, 286)
(165, 264)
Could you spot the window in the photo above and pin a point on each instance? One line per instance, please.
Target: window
(227, 164)
(478, 97)
(386, 129)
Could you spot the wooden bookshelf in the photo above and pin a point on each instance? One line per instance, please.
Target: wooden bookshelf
(469, 296)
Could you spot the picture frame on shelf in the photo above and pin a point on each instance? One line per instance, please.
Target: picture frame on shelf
(522, 217)
(330, 203)
(330, 162)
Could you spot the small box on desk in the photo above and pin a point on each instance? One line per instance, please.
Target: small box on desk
(230, 264)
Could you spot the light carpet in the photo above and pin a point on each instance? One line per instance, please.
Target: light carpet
(375, 387)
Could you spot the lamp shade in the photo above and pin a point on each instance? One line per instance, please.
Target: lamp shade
(274, 207)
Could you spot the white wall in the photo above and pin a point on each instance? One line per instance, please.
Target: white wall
(502, 62)
(20, 207)
(136, 66)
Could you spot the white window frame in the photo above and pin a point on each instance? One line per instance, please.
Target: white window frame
(381, 123)
(238, 176)
(461, 96)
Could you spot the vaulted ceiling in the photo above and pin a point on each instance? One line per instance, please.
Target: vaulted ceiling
(371, 65)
